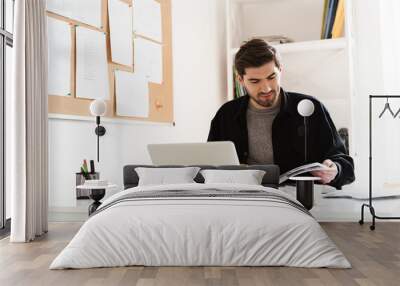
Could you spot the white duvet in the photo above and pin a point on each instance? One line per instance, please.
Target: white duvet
(200, 231)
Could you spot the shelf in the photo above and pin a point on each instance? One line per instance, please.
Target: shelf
(111, 120)
(318, 45)
(327, 44)
(319, 67)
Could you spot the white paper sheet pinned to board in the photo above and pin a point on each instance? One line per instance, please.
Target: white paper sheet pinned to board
(85, 11)
(91, 64)
(120, 17)
(59, 61)
(147, 19)
(148, 60)
(132, 94)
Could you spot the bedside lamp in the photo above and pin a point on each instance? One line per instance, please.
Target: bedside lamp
(305, 185)
(305, 109)
(98, 108)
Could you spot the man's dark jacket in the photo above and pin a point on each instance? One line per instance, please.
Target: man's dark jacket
(323, 141)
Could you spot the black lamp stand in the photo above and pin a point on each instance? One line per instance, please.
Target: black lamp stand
(305, 188)
(96, 195)
(305, 193)
(100, 131)
(305, 139)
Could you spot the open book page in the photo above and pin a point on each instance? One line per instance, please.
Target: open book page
(300, 170)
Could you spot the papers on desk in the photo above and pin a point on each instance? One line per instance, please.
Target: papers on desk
(121, 37)
(59, 60)
(85, 11)
(96, 183)
(91, 64)
(132, 94)
(147, 19)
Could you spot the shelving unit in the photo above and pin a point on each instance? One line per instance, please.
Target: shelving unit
(321, 68)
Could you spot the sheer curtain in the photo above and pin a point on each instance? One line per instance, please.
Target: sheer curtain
(28, 122)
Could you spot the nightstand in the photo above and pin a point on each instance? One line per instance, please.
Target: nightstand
(96, 193)
(305, 190)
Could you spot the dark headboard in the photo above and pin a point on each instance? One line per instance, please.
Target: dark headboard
(270, 179)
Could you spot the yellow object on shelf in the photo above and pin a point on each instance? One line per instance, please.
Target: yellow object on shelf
(338, 25)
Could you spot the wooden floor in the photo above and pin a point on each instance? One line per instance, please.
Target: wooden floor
(375, 257)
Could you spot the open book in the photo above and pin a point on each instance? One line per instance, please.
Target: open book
(300, 170)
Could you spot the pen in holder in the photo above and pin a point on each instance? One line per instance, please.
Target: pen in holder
(80, 180)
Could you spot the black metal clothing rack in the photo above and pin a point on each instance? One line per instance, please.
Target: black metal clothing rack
(369, 205)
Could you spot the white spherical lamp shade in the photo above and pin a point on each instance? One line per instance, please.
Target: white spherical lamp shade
(98, 107)
(305, 107)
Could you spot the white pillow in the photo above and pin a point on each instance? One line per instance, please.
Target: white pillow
(163, 176)
(248, 177)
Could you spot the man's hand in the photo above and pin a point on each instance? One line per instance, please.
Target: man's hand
(327, 175)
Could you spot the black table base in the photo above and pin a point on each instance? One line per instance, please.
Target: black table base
(96, 195)
(305, 193)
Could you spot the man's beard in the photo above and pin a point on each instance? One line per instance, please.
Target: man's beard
(266, 103)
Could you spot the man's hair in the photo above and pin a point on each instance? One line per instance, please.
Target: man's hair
(255, 53)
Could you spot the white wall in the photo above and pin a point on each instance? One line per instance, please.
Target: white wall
(386, 135)
(199, 89)
(368, 79)
(198, 43)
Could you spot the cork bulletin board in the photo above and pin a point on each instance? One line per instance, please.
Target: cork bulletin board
(160, 95)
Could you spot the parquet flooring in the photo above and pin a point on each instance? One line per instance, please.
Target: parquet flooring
(374, 255)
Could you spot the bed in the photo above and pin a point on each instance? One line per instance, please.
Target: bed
(201, 224)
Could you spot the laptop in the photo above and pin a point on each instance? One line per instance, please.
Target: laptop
(210, 153)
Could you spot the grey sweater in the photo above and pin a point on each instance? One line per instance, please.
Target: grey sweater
(259, 126)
